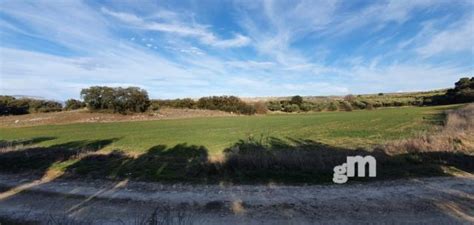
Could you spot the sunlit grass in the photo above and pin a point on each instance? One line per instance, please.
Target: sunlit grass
(342, 129)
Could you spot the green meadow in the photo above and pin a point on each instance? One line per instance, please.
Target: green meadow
(341, 129)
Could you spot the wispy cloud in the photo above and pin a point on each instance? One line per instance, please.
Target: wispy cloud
(180, 28)
(246, 48)
(454, 39)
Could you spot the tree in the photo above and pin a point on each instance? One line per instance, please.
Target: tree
(72, 104)
(118, 100)
(297, 100)
(11, 106)
(462, 92)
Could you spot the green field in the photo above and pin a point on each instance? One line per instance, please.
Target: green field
(342, 129)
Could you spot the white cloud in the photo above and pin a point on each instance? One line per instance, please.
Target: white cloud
(180, 69)
(180, 28)
(455, 39)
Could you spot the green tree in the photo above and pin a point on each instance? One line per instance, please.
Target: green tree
(72, 104)
(297, 100)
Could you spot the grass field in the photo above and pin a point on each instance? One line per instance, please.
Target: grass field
(341, 129)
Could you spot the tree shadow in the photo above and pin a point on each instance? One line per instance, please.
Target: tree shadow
(159, 163)
(23, 142)
(247, 161)
(38, 159)
(308, 161)
(269, 160)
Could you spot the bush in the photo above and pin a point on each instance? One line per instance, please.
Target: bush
(274, 106)
(306, 107)
(44, 106)
(291, 108)
(346, 106)
(185, 103)
(369, 105)
(72, 104)
(12, 106)
(226, 103)
(117, 100)
(358, 104)
(260, 107)
(333, 106)
(318, 107)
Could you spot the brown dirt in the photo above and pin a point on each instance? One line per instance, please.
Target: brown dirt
(84, 116)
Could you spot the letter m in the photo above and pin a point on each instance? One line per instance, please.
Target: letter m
(361, 162)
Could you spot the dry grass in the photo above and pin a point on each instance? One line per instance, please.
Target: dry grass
(84, 116)
(457, 135)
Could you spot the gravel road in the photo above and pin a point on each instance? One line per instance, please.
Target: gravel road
(445, 200)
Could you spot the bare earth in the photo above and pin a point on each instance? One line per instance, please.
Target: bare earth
(445, 200)
(83, 116)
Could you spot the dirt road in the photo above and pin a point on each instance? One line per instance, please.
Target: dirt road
(447, 200)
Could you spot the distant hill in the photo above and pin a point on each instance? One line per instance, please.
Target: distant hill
(340, 97)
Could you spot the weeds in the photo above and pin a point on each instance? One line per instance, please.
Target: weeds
(457, 135)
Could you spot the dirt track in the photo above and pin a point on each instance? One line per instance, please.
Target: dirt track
(418, 201)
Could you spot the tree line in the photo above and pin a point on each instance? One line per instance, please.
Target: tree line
(135, 100)
(10, 105)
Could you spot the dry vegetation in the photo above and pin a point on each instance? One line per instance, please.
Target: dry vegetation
(457, 134)
(84, 116)
(452, 145)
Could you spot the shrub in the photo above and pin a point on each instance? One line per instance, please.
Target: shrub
(44, 106)
(291, 108)
(333, 106)
(346, 106)
(11, 106)
(226, 103)
(185, 103)
(306, 106)
(318, 107)
(358, 104)
(72, 104)
(377, 104)
(369, 106)
(274, 106)
(260, 107)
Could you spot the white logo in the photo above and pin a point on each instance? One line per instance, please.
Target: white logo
(342, 172)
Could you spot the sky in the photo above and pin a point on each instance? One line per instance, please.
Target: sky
(196, 48)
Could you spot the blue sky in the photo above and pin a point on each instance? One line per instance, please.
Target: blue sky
(246, 48)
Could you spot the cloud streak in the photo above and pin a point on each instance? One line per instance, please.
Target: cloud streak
(180, 28)
(245, 48)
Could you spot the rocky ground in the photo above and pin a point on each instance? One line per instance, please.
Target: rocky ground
(446, 200)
